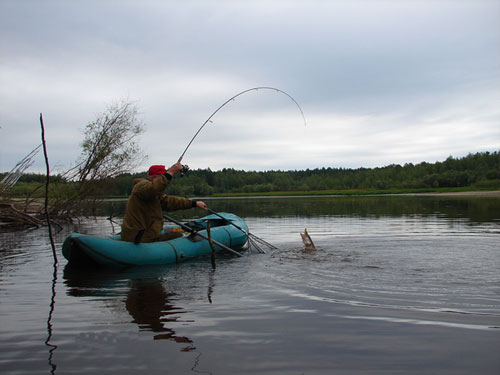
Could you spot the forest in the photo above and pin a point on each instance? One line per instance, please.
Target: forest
(478, 171)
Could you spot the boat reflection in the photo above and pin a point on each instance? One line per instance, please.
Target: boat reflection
(141, 290)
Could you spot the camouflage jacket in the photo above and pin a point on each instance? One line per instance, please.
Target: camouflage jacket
(144, 209)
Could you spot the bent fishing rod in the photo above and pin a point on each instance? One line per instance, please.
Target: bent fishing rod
(232, 99)
(185, 168)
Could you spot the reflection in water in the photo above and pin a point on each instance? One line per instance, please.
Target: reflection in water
(49, 321)
(146, 299)
(149, 305)
(148, 302)
(211, 284)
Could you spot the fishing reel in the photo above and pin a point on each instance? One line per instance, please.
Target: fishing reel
(184, 170)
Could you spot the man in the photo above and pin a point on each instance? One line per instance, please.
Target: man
(143, 220)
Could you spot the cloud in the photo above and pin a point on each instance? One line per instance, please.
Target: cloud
(380, 81)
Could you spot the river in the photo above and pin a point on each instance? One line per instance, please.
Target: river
(398, 285)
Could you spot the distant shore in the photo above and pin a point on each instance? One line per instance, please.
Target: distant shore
(474, 193)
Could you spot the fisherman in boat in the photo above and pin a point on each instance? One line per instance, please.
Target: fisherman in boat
(143, 220)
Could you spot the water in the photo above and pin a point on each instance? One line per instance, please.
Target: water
(400, 285)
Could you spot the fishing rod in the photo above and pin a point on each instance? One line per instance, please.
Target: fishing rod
(233, 98)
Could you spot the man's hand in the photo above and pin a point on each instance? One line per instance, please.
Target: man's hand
(202, 205)
(174, 168)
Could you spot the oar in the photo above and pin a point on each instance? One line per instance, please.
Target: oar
(191, 230)
(243, 230)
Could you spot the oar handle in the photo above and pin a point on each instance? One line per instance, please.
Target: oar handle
(191, 230)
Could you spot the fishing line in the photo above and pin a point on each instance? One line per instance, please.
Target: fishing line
(233, 98)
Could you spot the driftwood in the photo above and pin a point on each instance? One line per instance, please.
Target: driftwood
(11, 217)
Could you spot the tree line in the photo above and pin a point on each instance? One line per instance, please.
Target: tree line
(479, 170)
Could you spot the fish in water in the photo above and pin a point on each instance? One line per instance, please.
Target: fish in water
(308, 243)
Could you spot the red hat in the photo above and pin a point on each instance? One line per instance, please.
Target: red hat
(156, 169)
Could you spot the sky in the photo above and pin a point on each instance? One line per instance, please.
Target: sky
(379, 82)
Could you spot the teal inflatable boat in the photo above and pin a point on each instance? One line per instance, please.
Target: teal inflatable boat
(80, 249)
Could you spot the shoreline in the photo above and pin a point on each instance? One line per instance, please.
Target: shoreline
(475, 193)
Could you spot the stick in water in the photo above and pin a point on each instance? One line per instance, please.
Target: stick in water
(211, 242)
(47, 179)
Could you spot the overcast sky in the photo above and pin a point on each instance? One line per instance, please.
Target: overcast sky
(380, 82)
